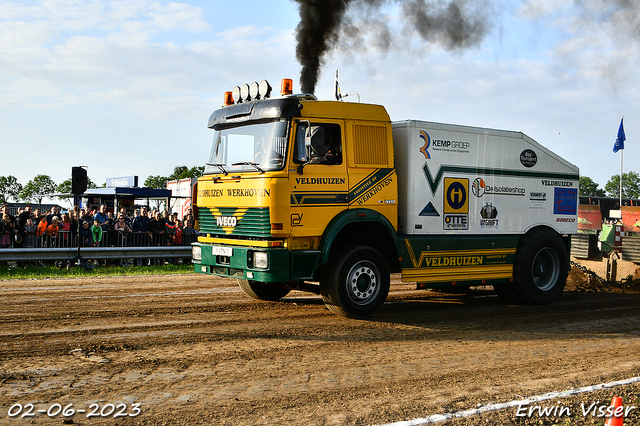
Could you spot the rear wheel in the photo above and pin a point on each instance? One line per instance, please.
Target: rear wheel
(540, 269)
(357, 284)
(263, 291)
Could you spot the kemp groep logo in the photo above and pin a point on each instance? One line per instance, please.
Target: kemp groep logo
(427, 142)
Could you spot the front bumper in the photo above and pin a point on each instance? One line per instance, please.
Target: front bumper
(240, 263)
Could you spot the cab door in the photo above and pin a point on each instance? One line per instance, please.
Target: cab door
(318, 177)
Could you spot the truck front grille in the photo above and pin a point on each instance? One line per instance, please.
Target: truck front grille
(233, 221)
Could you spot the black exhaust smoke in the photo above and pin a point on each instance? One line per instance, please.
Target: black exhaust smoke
(316, 33)
(453, 24)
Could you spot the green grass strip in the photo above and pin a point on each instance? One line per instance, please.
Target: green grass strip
(9, 272)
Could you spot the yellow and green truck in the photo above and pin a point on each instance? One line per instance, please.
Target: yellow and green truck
(333, 197)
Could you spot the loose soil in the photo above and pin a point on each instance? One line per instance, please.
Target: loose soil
(194, 350)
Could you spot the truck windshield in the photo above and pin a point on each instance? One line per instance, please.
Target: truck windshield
(254, 147)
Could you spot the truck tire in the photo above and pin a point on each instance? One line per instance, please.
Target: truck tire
(263, 291)
(357, 284)
(540, 269)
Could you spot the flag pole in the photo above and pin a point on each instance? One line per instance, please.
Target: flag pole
(621, 153)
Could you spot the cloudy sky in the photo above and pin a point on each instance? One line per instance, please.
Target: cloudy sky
(126, 87)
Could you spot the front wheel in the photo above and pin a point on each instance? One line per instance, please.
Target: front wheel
(357, 284)
(263, 291)
(540, 269)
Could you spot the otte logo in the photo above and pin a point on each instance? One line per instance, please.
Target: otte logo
(226, 221)
(427, 141)
(456, 204)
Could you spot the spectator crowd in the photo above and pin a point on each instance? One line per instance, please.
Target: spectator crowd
(94, 227)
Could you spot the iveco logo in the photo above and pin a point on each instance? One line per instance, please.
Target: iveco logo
(227, 221)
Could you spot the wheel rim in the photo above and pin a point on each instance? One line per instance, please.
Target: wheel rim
(545, 269)
(363, 283)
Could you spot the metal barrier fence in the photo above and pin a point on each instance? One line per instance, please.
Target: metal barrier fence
(94, 253)
(118, 245)
(67, 239)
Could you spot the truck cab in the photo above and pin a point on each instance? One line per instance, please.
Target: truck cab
(287, 180)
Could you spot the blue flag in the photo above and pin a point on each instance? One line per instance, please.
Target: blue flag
(620, 139)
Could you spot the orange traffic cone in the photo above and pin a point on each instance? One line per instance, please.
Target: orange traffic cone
(614, 420)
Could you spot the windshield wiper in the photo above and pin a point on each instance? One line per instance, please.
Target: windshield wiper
(218, 166)
(248, 163)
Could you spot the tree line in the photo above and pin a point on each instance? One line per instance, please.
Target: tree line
(630, 186)
(43, 186)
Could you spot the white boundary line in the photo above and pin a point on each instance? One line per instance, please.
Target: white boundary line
(500, 406)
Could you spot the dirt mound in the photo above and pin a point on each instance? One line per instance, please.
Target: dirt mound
(592, 275)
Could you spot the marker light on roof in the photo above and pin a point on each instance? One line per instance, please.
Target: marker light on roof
(264, 89)
(286, 87)
(244, 93)
(236, 94)
(228, 98)
(253, 90)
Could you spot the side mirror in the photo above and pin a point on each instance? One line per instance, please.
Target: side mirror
(314, 141)
(302, 138)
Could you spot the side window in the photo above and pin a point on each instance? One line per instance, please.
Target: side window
(323, 143)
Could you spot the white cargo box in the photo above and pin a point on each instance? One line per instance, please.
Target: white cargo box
(467, 180)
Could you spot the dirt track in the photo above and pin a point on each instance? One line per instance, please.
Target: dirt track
(195, 350)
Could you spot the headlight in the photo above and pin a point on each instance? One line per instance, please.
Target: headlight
(260, 260)
(196, 253)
